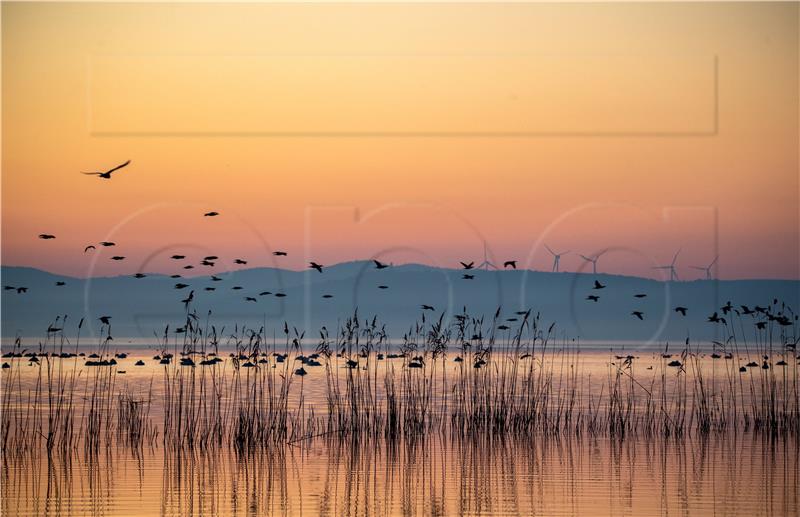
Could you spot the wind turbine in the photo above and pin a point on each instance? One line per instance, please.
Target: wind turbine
(556, 257)
(707, 269)
(593, 260)
(673, 275)
(486, 264)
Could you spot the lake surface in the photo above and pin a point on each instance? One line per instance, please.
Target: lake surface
(742, 474)
(737, 471)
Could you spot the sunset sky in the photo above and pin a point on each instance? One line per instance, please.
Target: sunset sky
(408, 132)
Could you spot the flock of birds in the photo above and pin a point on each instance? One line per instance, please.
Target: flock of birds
(468, 274)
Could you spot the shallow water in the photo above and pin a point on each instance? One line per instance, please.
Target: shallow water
(436, 473)
(743, 474)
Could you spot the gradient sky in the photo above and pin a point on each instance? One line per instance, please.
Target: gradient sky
(407, 132)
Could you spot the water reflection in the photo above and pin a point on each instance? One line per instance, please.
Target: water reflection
(731, 474)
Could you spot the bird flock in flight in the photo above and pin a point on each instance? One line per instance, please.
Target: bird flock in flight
(468, 267)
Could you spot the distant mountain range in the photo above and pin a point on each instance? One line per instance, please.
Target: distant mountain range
(140, 307)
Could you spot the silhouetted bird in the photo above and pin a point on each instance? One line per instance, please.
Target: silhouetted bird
(207, 263)
(746, 310)
(175, 276)
(236, 287)
(250, 299)
(593, 297)
(211, 214)
(468, 266)
(383, 287)
(427, 307)
(761, 325)
(105, 320)
(327, 296)
(280, 295)
(727, 308)
(89, 247)
(211, 257)
(9, 288)
(21, 290)
(714, 318)
(210, 288)
(107, 174)
(598, 285)
(640, 295)
(379, 265)
(682, 310)
(215, 278)
(314, 265)
(512, 263)
(181, 286)
(188, 267)
(107, 243)
(279, 253)
(638, 314)
(59, 283)
(178, 257)
(117, 257)
(46, 236)
(264, 293)
(240, 261)
(467, 277)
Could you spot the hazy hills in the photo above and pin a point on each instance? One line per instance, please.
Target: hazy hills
(141, 306)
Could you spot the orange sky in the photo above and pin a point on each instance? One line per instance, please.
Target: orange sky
(408, 132)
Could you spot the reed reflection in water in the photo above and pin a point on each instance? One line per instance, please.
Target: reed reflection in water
(728, 474)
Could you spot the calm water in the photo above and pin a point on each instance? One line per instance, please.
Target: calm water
(736, 475)
(731, 473)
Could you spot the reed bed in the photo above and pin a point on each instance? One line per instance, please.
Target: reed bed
(473, 376)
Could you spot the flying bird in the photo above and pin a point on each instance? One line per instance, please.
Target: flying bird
(383, 287)
(279, 253)
(107, 243)
(240, 261)
(60, 283)
(379, 265)
(188, 267)
(593, 297)
(510, 263)
(117, 257)
(314, 265)
(89, 247)
(175, 276)
(181, 286)
(139, 275)
(21, 290)
(682, 310)
(105, 320)
(178, 257)
(207, 263)
(107, 174)
(250, 299)
(467, 277)
(236, 287)
(46, 236)
(211, 257)
(210, 288)
(264, 293)
(215, 278)
(210, 214)
(640, 295)
(327, 296)
(427, 307)
(638, 314)
(280, 295)
(468, 266)
(598, 285)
